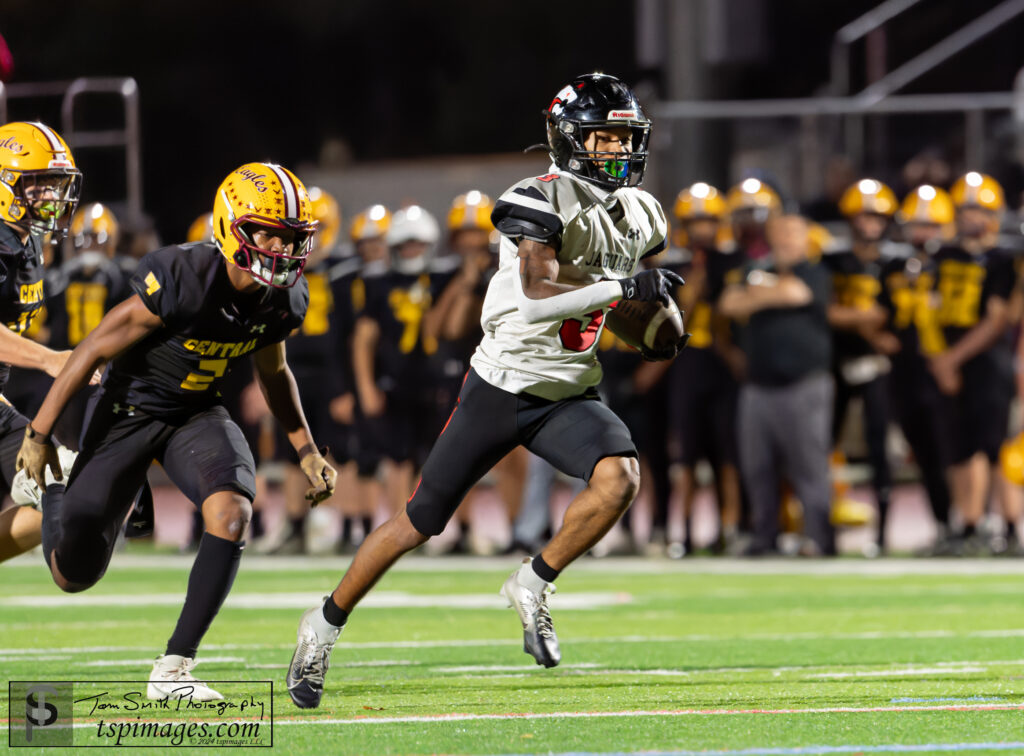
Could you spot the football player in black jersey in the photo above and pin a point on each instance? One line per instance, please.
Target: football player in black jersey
(704, 390)
(315, 362)
(926, 222)
(350, 280)
(861, 344)
(389, 353)
(39, 187)
(975, 371)
(93, 283)
(195, 311)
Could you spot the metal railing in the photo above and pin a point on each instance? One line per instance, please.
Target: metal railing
(939, 53)
(128, 138)
(810, 111)
(858, 28)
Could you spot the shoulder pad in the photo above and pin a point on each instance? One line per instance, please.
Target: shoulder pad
(529, 210)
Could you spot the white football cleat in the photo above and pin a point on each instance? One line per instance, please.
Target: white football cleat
(25, 491)
(539, 639)
(310, 661)
(172, 678)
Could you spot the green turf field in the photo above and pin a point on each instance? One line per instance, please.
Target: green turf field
(742, 657)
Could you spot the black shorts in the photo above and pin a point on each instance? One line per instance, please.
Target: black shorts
(316, 396)
(701, 410)
(979, 414)
(12, 433)
(487, 423)
(204, 455)
(405, 431)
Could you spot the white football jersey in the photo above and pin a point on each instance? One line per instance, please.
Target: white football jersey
(602, 235)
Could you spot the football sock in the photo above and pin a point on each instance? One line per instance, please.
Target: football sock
(367, 526)
(968, 531)
(332, 614)
(211, 578)
(53, 499)
(297, 523)
(1011, 529)
(536, 574)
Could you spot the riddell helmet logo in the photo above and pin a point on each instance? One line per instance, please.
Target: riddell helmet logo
(12, 144)
(622, 114)
(255, 178)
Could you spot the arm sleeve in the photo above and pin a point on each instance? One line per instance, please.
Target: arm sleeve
(570, 304)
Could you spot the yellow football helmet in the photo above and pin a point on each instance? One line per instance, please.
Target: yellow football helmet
(868, 196)
(373, 222)
(327, 214)
(978, 190)
(471, 210)
(95, 227)
(35, 161)
(271, 196)
(751, 194)
(201, 229)
(699, 200)
(927, 204)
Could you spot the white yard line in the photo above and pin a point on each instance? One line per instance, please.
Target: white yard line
(617, 565)
(304, 600)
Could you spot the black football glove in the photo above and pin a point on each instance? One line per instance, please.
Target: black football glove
(668, 353)
(653, 285)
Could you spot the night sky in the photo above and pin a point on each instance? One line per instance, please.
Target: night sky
(223, 83)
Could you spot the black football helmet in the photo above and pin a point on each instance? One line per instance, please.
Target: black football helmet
(595, 101)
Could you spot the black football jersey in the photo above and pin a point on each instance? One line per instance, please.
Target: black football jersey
(310, 347)
(855, 283)
(21, 285)
(450, 357)
(398, 302)
(91, 285)
(208, 326)
(908, 293)
(965, 282)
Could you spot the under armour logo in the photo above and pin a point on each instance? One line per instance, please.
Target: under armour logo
(258, 328)
(127, 409)
(633, 233)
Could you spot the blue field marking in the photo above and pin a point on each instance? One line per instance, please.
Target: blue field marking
(810, 750)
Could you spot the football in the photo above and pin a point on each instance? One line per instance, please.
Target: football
(646, 324)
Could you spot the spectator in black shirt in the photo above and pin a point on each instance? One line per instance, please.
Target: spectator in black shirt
(785, 408)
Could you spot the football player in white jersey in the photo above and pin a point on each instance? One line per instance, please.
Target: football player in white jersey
(572, 241)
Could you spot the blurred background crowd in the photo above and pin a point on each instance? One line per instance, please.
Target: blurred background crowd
(852, 248)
